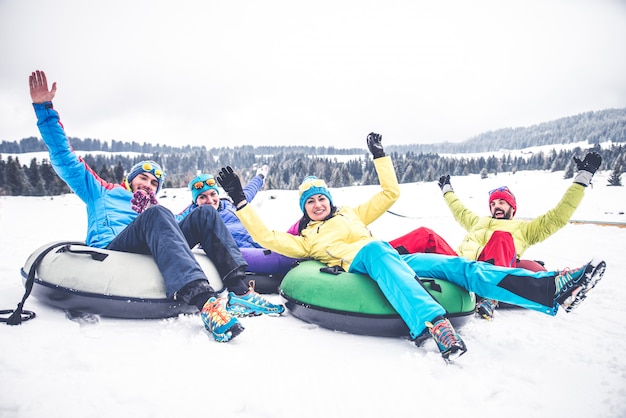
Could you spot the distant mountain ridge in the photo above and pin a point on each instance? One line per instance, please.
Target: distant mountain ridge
(594, 127)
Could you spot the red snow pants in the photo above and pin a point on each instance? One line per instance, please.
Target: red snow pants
(500, 249)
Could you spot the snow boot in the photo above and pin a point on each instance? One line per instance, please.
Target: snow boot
(486, 308)
(251, 304)
(572, 286)
(219, 322)
(448, 341)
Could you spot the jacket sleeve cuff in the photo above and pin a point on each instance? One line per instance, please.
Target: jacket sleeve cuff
(583, 178)
(446, 188)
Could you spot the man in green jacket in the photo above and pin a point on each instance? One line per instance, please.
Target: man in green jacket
(499, 239)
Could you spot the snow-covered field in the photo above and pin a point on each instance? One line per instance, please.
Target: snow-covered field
(521, 364)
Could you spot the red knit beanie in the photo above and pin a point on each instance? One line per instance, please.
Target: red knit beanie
(505, 194)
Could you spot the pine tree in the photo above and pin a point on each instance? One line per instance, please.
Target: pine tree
(48, 177)
(118, 172)
(616, 176)
(36, 182)
(3, 165)
(16, 182)
(104, 173)
(569, 170)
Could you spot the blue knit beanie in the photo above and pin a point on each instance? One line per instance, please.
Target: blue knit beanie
(201, 184)
(312, 186)
(147, 166)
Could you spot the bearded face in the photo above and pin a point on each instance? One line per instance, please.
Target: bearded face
(500, 209)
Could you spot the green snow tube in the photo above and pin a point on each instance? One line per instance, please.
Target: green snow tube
(354, 303)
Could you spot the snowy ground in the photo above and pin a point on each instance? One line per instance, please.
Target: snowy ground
(519, 365)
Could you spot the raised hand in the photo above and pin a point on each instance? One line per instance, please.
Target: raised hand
(39, 92)
(587, 168)
(374, 143)
(444, 184)
(142, 200)
(262, 171)
(230, 182)
(591, 163)
(443, 180)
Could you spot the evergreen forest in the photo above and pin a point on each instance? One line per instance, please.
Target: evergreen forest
(340, 167)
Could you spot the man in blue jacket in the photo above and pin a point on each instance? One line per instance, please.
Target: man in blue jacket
(125, 217)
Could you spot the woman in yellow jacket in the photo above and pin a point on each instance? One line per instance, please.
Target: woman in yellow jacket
(340, 237)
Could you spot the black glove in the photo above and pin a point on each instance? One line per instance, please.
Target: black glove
(591, 162)
(587, 168)
(231, 184)
(374, 144)
(444, 184)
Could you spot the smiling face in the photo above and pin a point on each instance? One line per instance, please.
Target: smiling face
(209, 197)
(317, 207)
(500, 209)
(144, 181)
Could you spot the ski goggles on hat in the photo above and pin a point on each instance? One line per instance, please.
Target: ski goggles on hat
(501, 189)
(312, 183)
(199, 185)
(149, 168)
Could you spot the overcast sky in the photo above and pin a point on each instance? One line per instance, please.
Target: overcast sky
(322, 72)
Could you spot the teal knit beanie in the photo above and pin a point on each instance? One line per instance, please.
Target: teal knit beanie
(312, 186)
(201, 184)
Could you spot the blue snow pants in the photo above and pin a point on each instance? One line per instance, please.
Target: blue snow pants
(397, 276)
(156, 232)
